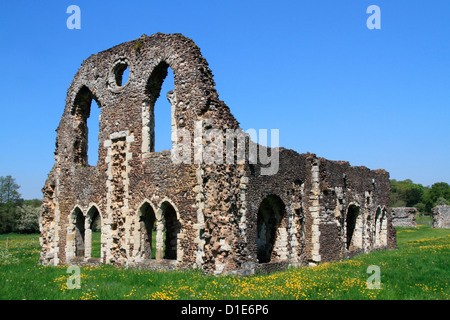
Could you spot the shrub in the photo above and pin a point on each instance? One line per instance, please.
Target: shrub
(28, 219)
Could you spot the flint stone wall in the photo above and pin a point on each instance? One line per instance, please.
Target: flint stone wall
(441, 217)
(404, 217)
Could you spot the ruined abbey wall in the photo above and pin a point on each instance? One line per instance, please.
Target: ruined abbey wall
(220, 216)
(441, 217)
(404, 217)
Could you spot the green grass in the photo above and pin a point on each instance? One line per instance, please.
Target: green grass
(419, 269)
(424, 231)
(96, 241)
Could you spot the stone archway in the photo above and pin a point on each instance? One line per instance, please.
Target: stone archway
(172, 228)
(81, 111)
(147, 220)
(268, 229)
(168, 229)
(79, 224)
(353, 228)
(93, 225)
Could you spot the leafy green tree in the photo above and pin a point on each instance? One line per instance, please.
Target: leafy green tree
(408, 194)
(405, 193)
(413, 194)
(36, 203)
(441, 202)
(27, 219)
(7, 218)
(9, 190)
(437, 190)
(421, 207)
(10, 198)
(395, 196)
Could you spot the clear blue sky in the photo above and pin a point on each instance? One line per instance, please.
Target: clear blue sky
(312, 69)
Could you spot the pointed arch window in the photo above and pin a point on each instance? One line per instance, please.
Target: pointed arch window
(158, 115)
(86, 139)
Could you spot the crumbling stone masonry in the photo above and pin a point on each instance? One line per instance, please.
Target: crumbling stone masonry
(221, 217)
(441, 217)
(404, 217)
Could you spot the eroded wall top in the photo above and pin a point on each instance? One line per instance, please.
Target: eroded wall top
(148, 59)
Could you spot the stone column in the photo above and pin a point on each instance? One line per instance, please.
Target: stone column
(314, 210)
(159, 239)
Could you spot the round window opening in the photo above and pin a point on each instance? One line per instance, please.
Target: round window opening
(121, 73)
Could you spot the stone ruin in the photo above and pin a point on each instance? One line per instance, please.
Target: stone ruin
(441, 217)
(404, 217)
(223, 217)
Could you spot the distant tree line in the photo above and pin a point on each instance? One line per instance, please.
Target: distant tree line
(16, 214)
(409, 194)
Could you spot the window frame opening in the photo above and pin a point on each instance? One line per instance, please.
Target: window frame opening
(81, 112)
(269, 218)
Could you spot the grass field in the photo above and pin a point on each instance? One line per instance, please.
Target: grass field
(419, 269)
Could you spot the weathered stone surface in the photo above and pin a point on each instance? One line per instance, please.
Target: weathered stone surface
(441, 217)
(229, 217)
(404, 217)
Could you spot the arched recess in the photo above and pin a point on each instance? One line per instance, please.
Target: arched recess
(268, 229)
(167, 232)
(353, 228)
(383, 227)
(81, 111)
(172, 228)
(147, 220)
(93, 227)
(78, 227)
(297, 222)
(164, 112)
(377, 228)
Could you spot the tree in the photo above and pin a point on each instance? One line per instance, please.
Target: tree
(7, 219)
(9, 191)
(413, 194)
(10, 198)
(437, 190)
(27, 219)
(441, 201)
(395, 196)
(405, 193)
(421, 207)
(36, 203)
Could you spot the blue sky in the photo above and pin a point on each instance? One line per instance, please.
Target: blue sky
(312, 69)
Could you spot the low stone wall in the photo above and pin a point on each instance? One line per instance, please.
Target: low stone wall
(404, 217)
(441, 217)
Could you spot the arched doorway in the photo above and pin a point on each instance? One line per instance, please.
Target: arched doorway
(353, 228)
(79, 232)
(268, 221)
(171, 229)
(93, 233)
